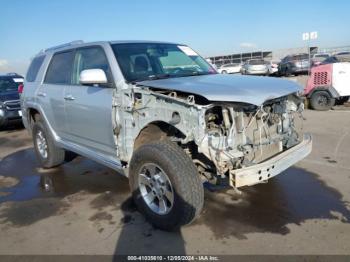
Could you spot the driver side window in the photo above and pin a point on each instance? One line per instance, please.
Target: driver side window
(90, 58)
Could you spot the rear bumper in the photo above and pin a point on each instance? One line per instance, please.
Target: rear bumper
(300, 69)
(262, 172)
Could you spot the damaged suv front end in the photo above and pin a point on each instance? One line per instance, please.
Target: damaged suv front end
(237, 129)
(250, 144)
(234, 141)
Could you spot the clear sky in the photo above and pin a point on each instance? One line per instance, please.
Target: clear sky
(210, 27)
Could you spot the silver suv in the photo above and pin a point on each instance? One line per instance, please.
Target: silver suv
(159, 114)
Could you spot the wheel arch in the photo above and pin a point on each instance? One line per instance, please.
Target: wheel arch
(33, 113)
(329, 89)
(157, 130)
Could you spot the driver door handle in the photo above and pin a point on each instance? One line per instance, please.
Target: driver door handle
(41, 94)
(69, 98)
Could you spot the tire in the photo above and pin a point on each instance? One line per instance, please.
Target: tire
(342, 100)
(187, 188)
(54, 155)
(287, 72)
(224, 72)
(322, 101)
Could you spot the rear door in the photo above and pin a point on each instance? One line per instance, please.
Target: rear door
(89, 107)
(51, 93)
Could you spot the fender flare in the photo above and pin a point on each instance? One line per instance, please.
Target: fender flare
(330, 89)
(29, 105)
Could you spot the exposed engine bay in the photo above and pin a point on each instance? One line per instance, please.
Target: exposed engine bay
(241, 135)
(220, 137)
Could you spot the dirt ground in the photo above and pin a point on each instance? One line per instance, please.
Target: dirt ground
(85, 208)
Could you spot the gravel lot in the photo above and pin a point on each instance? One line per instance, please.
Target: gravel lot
(84, 208)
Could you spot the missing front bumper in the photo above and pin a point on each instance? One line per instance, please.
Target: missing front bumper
(262, 172)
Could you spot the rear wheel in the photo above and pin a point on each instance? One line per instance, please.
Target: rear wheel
(287, 72)
(321, 100)
(224, 72)
(48, 154)
(165, 185)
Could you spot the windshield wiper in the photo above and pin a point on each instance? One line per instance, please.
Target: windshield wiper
(159, 76)
(195, 73)
(152, 77)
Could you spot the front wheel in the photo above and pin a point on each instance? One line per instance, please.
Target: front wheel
(224, 72)
(322, 101)
(165, 185)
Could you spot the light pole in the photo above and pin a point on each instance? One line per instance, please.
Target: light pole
(308, 36)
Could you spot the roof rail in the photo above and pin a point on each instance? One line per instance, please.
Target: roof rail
(12, 74)
(76, 42)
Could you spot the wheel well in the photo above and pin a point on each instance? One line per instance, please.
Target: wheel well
(157, 131)
(330, 90)
(33, 116)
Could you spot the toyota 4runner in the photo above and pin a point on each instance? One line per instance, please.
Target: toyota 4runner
(162, 116)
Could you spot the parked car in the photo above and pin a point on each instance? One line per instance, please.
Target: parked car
(255, 67)
(328, 84)
(160, 115)
(10, 108)
(343, 53)
(317, 59)
(273, 67)
(230, 68)
(294, 65)
(211, 63)
(336, 59)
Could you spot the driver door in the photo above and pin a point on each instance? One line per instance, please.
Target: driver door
(89, 107)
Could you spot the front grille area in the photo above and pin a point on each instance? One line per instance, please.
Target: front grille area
(12, 105)
(321, 78)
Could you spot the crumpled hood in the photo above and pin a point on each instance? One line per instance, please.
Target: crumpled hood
(228, 88)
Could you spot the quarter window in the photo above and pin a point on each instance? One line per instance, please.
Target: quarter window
(60, 69)
(34, 68)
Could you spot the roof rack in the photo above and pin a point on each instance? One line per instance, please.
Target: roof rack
(76, 42)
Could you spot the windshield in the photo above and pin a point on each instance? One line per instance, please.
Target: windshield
(257, 62)
(9, 83)
(321, 56)
(144, 61)
(301, 57)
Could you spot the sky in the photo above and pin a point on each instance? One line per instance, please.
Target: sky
(209, 27)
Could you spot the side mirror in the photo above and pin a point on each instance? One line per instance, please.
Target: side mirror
(93, 76)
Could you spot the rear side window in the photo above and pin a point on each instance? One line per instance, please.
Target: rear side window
(34, 68)
(60, 68)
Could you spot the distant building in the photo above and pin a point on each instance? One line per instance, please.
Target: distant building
(333, 50)
(275, 55)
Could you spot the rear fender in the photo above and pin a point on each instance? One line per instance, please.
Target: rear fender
(331, 90)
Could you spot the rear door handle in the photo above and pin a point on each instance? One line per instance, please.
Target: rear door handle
(69, 97)
(41, 94)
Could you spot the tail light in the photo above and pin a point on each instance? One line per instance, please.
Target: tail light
(20, 88)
